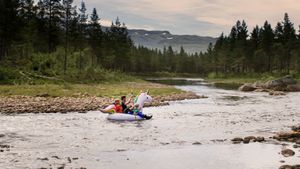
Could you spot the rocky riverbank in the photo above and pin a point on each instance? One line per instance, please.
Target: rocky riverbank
(274, 87)
(289, 136)
(46, 104)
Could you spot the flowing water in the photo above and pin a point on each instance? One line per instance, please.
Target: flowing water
(171, 140)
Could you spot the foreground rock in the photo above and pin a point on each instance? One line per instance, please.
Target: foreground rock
(290, 167)
(290, 136)
(247, 140)
(28, 104)
(248, 87)
(287, 152)
(284, 84)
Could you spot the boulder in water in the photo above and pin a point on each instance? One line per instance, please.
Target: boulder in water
(287, 152)
(286, 83)
(280, 84)
(248, 87)
(277, 93)
(260, 139)
(237, 140)
(290, 167)
(288, 80)
(293, 88)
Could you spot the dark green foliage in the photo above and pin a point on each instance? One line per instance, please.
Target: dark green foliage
(95, 39)
(52, 39)
(267, 50)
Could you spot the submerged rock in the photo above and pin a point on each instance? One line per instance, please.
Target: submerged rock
(287, 152)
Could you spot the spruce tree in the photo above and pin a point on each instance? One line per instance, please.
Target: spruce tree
(95, 37)
(9, 25)
(267, 43)
(67, 11)
(82, 18)
(289, 37)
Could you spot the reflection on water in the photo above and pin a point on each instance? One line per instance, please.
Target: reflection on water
(89, 140)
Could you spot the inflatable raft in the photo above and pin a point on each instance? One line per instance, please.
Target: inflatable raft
(124, 117)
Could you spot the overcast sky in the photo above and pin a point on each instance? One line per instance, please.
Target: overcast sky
(200, 17)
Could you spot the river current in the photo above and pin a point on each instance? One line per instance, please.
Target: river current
(189, 134)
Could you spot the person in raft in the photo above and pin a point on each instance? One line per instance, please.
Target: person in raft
(126, 105)
(134, 110)
(118, 107)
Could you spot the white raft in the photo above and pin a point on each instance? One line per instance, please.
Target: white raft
(124, 117)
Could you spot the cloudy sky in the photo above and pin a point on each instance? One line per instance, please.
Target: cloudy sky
(200, 17)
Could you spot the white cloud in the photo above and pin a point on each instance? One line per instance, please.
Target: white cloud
(203, 17)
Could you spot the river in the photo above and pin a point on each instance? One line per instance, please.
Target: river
(189, 134)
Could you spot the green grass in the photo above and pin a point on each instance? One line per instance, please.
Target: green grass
(233, 80)
(238, 79)
(82, 90)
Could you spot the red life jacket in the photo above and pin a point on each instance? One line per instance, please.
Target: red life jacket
(118, 108)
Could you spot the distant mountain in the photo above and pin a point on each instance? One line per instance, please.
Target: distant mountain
(159, 39)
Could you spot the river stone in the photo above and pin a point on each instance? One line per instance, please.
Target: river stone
(246, 141)
(287, 152)
(290, 167)
(296, 146)
(248, 87)
(276, 93)
(262, 90)
(258, 84)
(274, 84)
(296, 128)
(280, 84)
(293, 88)
(250, 138)
(237, 140)
(197, 143)
(260, 139)
(288, 80)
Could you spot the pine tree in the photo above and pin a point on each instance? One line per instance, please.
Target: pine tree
(95, 37)
(82, 18)
(279, 33)
(289, 37)
(255, 37)
(51, 10)
(68, 11)
(267, 42)
(121, 44)
(9, 25)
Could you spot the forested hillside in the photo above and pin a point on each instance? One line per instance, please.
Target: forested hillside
(159, 39)
(266, 49)
(54, 39)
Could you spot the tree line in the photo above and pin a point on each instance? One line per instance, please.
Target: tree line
(55, 34)
(57, 38)
(265, 49)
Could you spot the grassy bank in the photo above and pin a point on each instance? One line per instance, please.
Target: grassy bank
(82, 90)
(240, 79)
